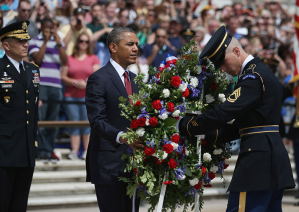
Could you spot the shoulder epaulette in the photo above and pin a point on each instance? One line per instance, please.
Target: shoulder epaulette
(35, 65)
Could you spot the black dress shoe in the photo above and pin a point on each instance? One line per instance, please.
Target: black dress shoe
(296, 204)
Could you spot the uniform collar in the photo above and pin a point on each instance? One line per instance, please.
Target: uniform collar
(247, 60)
(15, 63)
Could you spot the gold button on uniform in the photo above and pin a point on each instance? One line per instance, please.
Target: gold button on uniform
(26, 91)
(27, 101)
(249, 149)
(27, 111)
(27, 122)
(6, 90)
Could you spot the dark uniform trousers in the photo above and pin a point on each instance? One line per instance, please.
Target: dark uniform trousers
(263, 167)
(18, 129)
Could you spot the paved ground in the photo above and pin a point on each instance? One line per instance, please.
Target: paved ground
(211, 205)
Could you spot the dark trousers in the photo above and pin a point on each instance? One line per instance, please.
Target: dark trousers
(113, 198)
(256, 201)
(14, 188)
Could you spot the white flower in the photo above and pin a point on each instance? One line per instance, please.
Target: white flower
(173, 182)
(207, 157)
(176, 113)
(166, 92)
(175, 145)
(182, 177)
(217, 79)
(140, 131)
(209, 98)
(198, 69)
(214, 169)
(194, 82)
(221, 97)
(193, 182)
(147, 122)
(217, 151)
(149, 86)
(164, 156)
(163, 116)
(183, 87)
(187, 151)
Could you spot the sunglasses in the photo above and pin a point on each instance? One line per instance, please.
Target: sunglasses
(124, 16)
(84, 41)
(23, 10)
(159, 36)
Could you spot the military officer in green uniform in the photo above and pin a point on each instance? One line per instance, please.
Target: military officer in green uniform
(263, 168)
(19, 88)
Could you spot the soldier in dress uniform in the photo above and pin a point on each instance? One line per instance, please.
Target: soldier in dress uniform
(19, 88)
(263, 168)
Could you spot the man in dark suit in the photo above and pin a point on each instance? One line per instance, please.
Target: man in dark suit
(18, 118)
(263, 168)
(103, 163)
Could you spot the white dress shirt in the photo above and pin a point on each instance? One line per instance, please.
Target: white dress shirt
(120, 70)
(16, 63)
(247, 60)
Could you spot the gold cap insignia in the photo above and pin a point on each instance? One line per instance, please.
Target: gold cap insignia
(24, 26)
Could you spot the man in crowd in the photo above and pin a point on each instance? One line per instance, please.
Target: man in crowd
(234, 23)
(213, 25)
(263, 169)
(48, 51)
(157, 52)
(24, 10)
(18, 102)
(104, 87)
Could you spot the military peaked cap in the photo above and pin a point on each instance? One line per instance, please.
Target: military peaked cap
(215, 48)
(15, 30)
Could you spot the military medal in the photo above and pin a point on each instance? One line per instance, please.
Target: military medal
(4, 74)
(7, 99)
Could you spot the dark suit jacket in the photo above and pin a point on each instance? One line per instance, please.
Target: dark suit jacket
(103, 163)
(18, 116)
(263, 162)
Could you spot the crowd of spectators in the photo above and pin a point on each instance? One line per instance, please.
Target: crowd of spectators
(69, 43)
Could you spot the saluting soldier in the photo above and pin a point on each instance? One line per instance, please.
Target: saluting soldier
(18, 118)
(263, 168)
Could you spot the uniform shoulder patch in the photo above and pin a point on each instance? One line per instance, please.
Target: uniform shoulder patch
(248, 76)
(235, 95)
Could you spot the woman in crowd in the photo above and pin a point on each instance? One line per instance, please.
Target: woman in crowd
(200, 33)
(81, 64)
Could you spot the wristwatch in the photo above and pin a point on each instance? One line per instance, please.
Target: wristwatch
(59, 45)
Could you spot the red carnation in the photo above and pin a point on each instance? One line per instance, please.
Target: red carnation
(168, 148)
(186, 93)
(158, 161)
(142, 121)
(226, 165)
(204, 142)
(158, 75)
(204, 68)
(135, 170)
(175, 81)
(208, 186)
(177, 118)
(153, 121)
(134, 124)
(213, 86)
(175, 138)
(138, 103)
(157, 105)
(149, 151)
(204, 171)
(170, 107)
(167, 182)
(172, 163)
(223, 159)
(212, 175)
(198, 185)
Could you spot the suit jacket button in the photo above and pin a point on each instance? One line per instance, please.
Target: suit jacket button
(6, 90)
(27, 122)
(249, 149)
(27, 111)
(26, 91)
(27, 101)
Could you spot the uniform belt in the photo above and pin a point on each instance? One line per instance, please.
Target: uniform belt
(259, 129)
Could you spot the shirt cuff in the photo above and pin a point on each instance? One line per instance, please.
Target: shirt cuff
(117, 137)
(177, 125)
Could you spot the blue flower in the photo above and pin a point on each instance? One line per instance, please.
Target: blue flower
(180, 173)
(206, 179)
(130, 150)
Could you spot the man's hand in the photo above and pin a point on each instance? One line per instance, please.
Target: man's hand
(56, 37)
(137, 143)
(155, 49)
(73, 22)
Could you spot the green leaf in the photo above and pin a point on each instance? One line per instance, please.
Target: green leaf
(188, 171)
(170, 122)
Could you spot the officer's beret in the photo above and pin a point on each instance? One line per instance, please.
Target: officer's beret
(215, 48)
(15, 30)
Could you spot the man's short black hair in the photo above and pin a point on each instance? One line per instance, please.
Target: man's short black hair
(116, 35)
(46, 20)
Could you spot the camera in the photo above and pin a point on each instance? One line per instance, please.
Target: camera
(42, 3)
(79, 21)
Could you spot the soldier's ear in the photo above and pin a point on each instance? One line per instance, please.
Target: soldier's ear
(5, 45)
(236, 51)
